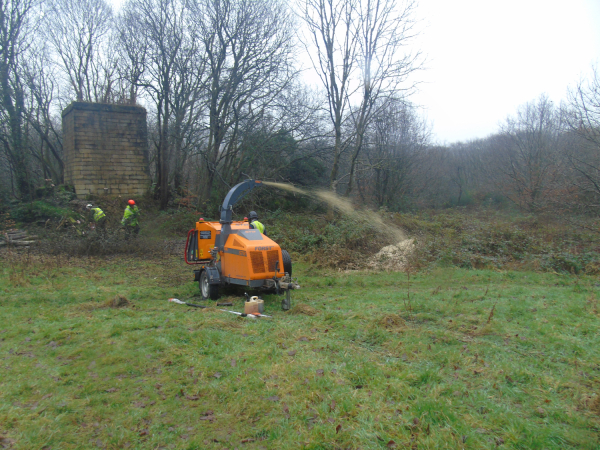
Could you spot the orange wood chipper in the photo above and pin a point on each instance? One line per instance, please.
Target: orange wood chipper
(232, 253)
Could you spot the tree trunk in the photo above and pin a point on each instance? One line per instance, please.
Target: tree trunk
(357, 148)
(164, 158)
(15, 121)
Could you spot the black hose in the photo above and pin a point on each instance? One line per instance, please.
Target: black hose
(195, 306)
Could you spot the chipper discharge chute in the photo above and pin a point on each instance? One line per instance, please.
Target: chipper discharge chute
(231, 253)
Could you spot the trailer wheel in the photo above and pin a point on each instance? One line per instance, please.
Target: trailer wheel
(208, 290)
(287, 262)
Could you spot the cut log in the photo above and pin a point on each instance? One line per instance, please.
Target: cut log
(17, 243)
(16, 237)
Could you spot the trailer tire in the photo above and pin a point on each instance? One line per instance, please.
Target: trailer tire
(206, 289)
(287, 262)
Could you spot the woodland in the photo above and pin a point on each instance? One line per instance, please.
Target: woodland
(310, 92)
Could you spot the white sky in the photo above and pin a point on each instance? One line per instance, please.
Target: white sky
(487, 57)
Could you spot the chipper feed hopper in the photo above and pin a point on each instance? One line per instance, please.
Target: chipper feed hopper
(231, 253)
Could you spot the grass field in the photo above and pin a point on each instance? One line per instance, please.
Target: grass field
(458, 359)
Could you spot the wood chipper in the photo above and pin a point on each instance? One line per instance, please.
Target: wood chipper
(231, 253)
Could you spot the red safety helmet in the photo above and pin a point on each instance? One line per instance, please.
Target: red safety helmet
(131, 202)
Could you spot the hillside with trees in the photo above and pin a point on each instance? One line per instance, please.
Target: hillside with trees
(227, 98)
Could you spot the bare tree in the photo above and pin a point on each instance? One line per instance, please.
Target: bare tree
(528, 154)
(385, 28)
(584, 114)
(275, 145)
(40, 81)
(132, 47)
(583, 117)
(157, 38)
(333, 33)
(77, 29)
(248, 46)
(15, 25)
(463, 170)
(360, 56)
(186, 104)
(459, 178)
(398, 155)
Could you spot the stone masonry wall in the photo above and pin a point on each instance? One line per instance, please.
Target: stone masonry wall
(106, 149)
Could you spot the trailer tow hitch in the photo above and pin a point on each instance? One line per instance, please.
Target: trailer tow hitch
(286, 303)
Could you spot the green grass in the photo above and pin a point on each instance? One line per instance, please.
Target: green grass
(369, 370)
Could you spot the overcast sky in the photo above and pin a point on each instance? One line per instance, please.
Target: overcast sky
(487, 57)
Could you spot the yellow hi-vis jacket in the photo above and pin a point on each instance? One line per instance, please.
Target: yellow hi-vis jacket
(259, 226)
(130, 217)
(98, 214)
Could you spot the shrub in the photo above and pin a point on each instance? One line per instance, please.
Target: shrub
(64, 193)
(40, 210)
(175, 222)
